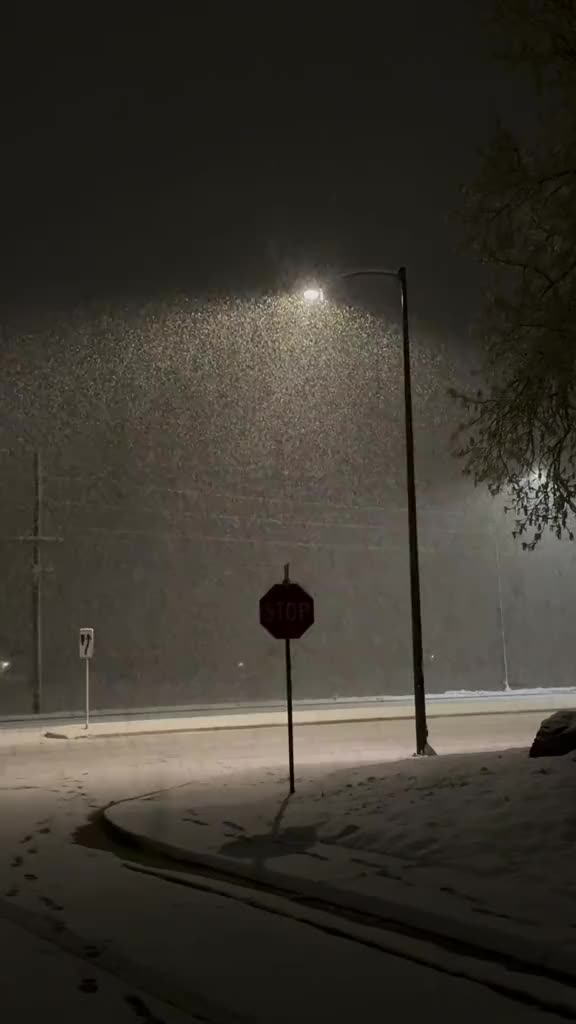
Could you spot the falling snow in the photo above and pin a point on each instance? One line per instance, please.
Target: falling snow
(191, 449)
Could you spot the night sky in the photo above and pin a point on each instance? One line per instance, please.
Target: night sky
(200, 426)
(129, 169)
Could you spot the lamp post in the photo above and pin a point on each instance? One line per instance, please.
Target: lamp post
(315, 294)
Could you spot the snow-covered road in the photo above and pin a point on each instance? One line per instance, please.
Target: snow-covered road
(208, 956)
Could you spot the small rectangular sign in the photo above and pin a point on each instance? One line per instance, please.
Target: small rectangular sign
(86, 642)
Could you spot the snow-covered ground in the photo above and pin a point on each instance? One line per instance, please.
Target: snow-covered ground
(495, 830)
(210, 956)
(41, 981)
(482, 839)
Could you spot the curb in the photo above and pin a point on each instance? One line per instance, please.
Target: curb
(481, 942)
(534, 990)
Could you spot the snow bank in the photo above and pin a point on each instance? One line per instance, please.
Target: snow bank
(497, 830)
(556, 736)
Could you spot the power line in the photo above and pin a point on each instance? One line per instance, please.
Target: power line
(286, 523)
(230, 516)
(215, 538)
(222, 495)
(198, 494)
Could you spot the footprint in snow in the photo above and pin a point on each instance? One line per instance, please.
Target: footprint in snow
(88, 985)
(31, 878)
(347, 831)
(50, 903)
(142, 1011)
(17, 862)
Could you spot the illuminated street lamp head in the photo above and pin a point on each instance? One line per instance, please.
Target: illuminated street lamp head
(313, 294)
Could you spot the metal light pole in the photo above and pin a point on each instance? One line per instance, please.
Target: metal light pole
(316, 295)
(422, 746)
(37, 663)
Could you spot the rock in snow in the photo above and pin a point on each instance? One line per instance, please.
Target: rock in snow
(556, 735)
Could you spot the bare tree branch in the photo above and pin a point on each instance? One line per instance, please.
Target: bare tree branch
(518, 435)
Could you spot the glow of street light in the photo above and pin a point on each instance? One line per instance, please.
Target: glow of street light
(313, 295)
(533, 477)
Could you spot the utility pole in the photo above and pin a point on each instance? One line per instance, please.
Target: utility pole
(36, 539)
(501, 607)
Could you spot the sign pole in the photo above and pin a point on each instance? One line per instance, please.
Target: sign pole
(288, 654)
(86, 645)
(290, 722)
(287, 612)
(87, 662)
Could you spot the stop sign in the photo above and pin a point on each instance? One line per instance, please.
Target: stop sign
(286, 611)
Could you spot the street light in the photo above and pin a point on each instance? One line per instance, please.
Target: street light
(315, 294)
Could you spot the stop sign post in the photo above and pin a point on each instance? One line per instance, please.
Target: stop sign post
(287, 612)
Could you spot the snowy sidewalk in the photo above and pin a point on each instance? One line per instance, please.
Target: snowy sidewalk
(476, 849)
(445, 711)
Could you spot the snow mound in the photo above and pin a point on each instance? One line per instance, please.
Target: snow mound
(556, 735)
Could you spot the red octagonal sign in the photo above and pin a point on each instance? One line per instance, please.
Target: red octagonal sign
(287, 611)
